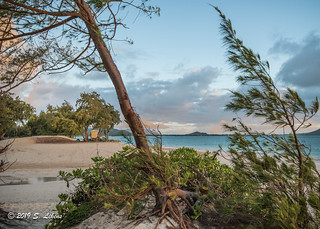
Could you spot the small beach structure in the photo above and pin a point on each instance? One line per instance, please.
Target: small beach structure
(94, 134)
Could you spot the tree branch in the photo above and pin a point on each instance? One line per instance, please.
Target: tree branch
(59, 14)
(40, 30)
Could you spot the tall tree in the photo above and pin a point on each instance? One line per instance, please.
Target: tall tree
(278, 169)
(89, 107)
(108, 119)
(42, 124)
(89, 25)
(65, 120)
(13, 111)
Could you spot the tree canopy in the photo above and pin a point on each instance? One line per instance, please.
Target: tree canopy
(14, 111)
(108, 118)
(91, 111)
(20, 63)
(57, 30)
(85, 29)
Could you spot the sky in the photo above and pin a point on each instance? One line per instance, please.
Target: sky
(176, 72)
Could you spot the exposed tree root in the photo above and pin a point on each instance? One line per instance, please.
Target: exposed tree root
(168, 203)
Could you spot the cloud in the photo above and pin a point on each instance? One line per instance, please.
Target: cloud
(93, 76)
(49, 92)
(302, 69)
(130, 71)
(284, 46)
(153, 74)
(179, 98)
(182, 105)
(153, 125)
(218, 128)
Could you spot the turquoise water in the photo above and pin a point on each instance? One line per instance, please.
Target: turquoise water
(211, 143)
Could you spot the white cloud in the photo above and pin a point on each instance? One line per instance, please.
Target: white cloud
(44, 92)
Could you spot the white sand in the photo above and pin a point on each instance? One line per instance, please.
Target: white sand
(32, 155)
(36, 161)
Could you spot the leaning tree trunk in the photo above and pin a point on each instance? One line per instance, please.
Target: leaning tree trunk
(163, 203)
(129, 114)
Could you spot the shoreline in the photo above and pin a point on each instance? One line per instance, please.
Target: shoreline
(31, 185)
(37, 167)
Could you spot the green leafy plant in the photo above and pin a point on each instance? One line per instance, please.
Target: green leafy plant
(276, 180)
(123, 182)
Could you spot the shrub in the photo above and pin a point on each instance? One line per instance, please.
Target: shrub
(123, 181)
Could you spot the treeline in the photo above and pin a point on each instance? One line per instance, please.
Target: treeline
(19, 119)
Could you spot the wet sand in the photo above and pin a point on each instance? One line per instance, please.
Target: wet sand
(31, 184)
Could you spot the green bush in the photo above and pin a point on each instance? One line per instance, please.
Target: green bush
(202, 171)
(123, 180)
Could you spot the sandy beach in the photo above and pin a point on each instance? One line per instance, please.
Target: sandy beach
(31, 185)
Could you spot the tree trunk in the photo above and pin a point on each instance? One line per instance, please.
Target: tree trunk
(86, 135)
(131, 117)
(107, 136)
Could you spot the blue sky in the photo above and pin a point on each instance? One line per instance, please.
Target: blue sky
(176, 71)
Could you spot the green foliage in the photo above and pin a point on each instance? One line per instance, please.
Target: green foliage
(73, 209)
(275, 182)
(196, 170)
(41, 124)
(14, 112)
(123, 181)
(93, 111)
(66, 120)
(109, 117)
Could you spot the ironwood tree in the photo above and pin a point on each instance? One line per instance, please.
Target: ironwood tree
(77, 33)
(69, 33)
(277, 170)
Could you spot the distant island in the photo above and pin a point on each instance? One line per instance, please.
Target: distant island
(316, 132)
(197, 133)
(116, 132)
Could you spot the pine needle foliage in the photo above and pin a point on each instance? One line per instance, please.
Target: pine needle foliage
(276, 180)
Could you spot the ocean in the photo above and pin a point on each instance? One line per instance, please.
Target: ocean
(211, 143)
